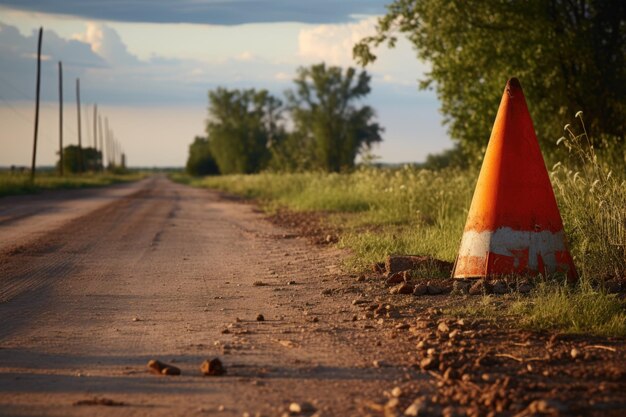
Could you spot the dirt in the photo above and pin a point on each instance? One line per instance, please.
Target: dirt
(180, 275)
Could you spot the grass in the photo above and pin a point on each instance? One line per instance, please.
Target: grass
(412, 211)
(15, 184)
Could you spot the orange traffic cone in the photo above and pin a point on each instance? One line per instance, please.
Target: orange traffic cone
(514, 225)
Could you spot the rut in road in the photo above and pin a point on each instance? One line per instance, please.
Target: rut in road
(174, 273)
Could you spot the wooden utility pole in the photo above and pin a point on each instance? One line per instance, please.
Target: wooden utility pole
(60, 118)
(101, 143)
(32, 167)
(81, 164)
(107, 140)
(95, 130)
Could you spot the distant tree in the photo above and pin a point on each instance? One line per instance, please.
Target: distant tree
(569, 56)
(91, 159)
(329, 128)
(241, 127)
(453, 157)
(200, 161)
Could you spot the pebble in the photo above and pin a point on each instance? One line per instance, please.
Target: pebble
(434, 289)
(404, 288)
(260, 317)
(397, 392)
(420, 289)
(298, 408)
(551, 407)
(417, 408)
(162, 368)
(574, 353)
(461, 287)
(524, 288)
(500, 287)
(428, 363)
(212, 367)
(443, 327)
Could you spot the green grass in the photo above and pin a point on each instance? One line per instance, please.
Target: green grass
(14, 184)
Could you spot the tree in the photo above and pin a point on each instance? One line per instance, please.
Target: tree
(328, 126)
(72, 155)
(200, 161)
(242, 125)
(569, 56)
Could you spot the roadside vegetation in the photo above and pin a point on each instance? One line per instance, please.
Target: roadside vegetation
(412, 210)
(20, 183)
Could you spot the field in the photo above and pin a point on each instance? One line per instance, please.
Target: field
(377, 212)
(14, 184)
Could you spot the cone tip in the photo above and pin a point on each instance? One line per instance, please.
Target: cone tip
(513, 82)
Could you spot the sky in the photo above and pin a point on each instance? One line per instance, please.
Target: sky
(149, 64)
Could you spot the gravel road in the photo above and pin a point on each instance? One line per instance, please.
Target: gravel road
(95, 283)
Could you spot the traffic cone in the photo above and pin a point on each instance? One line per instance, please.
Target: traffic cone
(514, 226)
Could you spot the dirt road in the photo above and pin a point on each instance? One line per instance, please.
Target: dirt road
(94, 284)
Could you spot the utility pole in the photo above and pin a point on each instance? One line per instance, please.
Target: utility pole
(107, 140)
(101, 143)
(60, 118)
(81, 165)
(32, 167)
(95, 130)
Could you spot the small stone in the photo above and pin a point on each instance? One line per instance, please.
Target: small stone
(404, 288)
(212, 367)
(420, 289)
(379, 363)
(260, 317)
(551, 407)
(460, 287)
(524, 288)
(428, 363)
(162, 368)
(396, 392)
(396, 278)
(453, 334)
(443, 327)
(417, 408)
(327, 291)
(478, 288)
(299, 408)
(500, 287)
(359, 301)
(434, 289)
(259, 284)
(221, 407)
(402, 326)
(574, 353)
(292, 282)
(136, 319)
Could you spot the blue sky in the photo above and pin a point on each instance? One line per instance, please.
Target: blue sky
(149, 64)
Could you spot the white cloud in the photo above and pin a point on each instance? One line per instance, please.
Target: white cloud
(107, 43)
(333, 43)
(283, 76)
(245, 56)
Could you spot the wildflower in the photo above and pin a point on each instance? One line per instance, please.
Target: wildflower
(579, 113)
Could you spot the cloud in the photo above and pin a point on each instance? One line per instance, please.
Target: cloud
(106, 43)
(333, 43)
(217, 12)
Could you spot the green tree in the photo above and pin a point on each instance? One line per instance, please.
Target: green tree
(241, 127)
(569, 56)
(329, 127)
(200, 161)
(72, 155)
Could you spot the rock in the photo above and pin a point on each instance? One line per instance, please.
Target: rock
(396, 278)
(551, 407)
(417, 408)
(443, 327)
(259, 284)
(574, 353)
(396, 392)
(292, 282)
(402, 326)
(479, 288)
(162, 368)
(428, 363)
(260, 317)
(500, 287)
(379, 267)
(524, 288)
(404, 288)
(327, 291)
(358, 301)
(460, 287)
(420, 289)
(299, 408)
(434, 289)
(212, 367)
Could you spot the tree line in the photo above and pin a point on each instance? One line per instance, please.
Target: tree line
(318, 125)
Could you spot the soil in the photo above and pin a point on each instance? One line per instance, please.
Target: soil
(175, 274)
